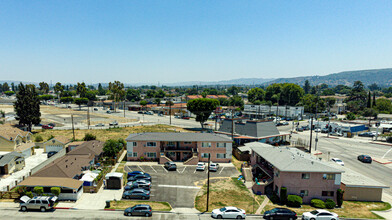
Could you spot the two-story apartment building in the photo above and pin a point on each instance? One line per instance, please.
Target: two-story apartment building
(301, 173)
(179, 147)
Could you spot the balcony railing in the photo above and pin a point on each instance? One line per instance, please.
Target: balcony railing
(166, 148)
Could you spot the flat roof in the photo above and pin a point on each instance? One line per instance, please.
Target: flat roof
(51, 182)
(291, 159)
(171, 136)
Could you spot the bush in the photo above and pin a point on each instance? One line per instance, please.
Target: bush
(294, 201)
(29, 194)
(330, 204)
(317, 203)
(89, 137)
(339, 197)
(55, 191)
(283, 195)
(38, 138)
(50, 137)
(275, 199)
(350, 116)
(38, 190)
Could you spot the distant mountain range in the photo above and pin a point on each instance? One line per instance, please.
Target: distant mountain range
(382, 77)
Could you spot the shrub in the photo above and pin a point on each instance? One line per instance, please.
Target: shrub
(330, 204)
(50, 137)
(29, 194)
(339, 197)
(275, 199)
(283, 195)
(317, 203)
(294, 201)
(89, 137)
(21, 190)
(38, 138)
(350, 116)
(38, 190)
(55, 191)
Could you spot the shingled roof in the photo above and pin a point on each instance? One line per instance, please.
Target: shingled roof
(89, 147)
(61, 139)
(171, 136)
(10, 133)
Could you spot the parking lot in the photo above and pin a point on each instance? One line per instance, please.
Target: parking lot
(179, 188)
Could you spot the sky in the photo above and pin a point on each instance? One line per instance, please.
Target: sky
(175, 41)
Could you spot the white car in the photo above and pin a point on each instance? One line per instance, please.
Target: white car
(214, 167)
(338, 161)
(201, 166)
(317, 130)
(228, 212)
(320, 215)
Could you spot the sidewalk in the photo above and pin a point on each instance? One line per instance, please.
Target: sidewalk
(385, 214)
(5, 205)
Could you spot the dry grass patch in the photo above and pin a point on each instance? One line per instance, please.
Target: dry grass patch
(350, 209)
(106, 134)
(237, 163)
(226, 192)
(156, 206)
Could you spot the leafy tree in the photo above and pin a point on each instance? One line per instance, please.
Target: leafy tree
(328, 92)
(143, 103)
(223, 102)
(91, 95)
(373, 87)
(150, 94)
(38, 138)
(5, 87)
(67, 99)
(339, 197)
(158, 101)
(58, 89)
(89, 137)
(342, 89)
(202, 108)
(236, 101)
(27, 106)
(117, 90)
(384, 106)
(370, 112)
(233, 90)
(9, 93)
(310, 102)
(357, 97)
(81, 90)
(44, 87)
(111, 148)
(13, 87)
(283, 195)
(160, 94)
(45, 97)
(81, 101)
(256, 94)
(307, 87)
(291, 94)
(350, 116)
(272, 93)
(101, 90)
(133, 95)
(369, 101)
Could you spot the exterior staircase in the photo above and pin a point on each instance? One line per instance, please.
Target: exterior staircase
(193, 160)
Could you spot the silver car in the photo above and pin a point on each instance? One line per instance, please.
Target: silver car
(42, 203)
(228, 212)
(213, 167)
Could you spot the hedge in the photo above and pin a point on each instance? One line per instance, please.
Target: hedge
(39, 190)
(317, 203)
(55, 191)
(283, 195)
(339, 197)
(330, 204)
(294, 201)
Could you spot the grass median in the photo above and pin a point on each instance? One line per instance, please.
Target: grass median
(226, 192)
(156, 206)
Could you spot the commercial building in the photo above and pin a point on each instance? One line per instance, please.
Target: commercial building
(189, 148)
(262, 111)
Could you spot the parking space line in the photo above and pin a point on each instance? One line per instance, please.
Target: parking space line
(221, 170)
(183, 170)
(178, 186)
(164, 169)
(141, 168)
(194, 171)
(126, 168)
(153, 169)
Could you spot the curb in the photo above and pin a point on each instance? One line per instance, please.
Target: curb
(385, 144)
(65, 208)
(382, 162)
(318, 153)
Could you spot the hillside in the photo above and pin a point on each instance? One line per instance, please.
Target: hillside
(382, 77)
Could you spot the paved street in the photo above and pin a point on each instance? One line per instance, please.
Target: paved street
(347, 149)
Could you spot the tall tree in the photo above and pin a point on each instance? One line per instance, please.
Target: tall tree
(117, 90)
(81, 101)
(27, 106)
(133, 95)
(356, 100)
(233, 90)
(81, 89)
(101, 90)
(202, 108)
(5, 87)
(13, 86)
(369, 100)
(236, 101)
(256, 94)
(307, 87)
(374, 99)
(58, 89)
(272, 93)
(373, 87)
(44, 87)
(291, 94)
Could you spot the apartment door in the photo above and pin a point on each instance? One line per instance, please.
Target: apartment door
(178, 156)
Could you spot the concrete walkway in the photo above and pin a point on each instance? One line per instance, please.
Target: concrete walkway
(263, 204)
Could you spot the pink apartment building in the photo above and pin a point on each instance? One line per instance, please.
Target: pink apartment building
(189, 148)
(301, 173)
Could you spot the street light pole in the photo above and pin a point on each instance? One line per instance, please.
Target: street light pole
(208, 180)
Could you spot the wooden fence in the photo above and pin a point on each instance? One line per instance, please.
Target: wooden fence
(9, 195)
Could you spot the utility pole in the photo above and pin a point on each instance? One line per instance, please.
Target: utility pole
(124, 107)
(216, 119)
(232, 124)
(73, 130)
(170, 111)
(208, 181)
(88, 117)
(315, 146)
(311, 131)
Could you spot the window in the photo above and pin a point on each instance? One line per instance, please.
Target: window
(151, 155)
(277, 173)
(45, 202)
(206, 144)
(151, 144)
(329, 176)
(134, 144)
(204, 155)
(220, 144)
(187, 142)
(170, 144)
(305, 176)
(17, 142)
(129, 154)
(304, 193)
(327, 193)
(220, 156)
(134, 154)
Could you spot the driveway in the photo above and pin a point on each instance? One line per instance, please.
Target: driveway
(179, 188)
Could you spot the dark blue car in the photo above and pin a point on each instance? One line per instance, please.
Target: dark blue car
(134, 173)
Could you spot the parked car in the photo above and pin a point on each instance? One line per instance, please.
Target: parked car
(320, 215)
(214, 167)
(299, 129)
(365, 158)
(367, 134)
(200, 166)
(336, 134)
(317, 130)
(99, 125)
(228, 212)
(108, 111)
(95, 109)
(113, 123)
(42, 203)
(52, 124)
(51, 153)
(170, 166)
(134, 173)
(138, 210)
(280, 213)
(160, 114)
(144, 184)
(324, 130)
(185, 117)
(338, 161)
(140, 112)
(136, 194)
(148, 113)
(139, 177)
(47, 127)
(306, 127)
